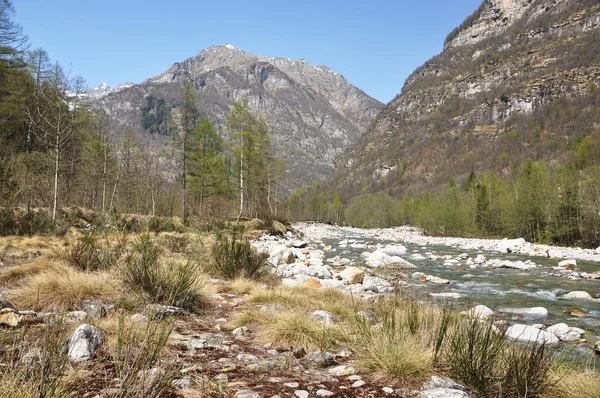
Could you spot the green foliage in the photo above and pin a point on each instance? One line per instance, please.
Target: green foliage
(155, 116)
(174, 283)
(88, 253)
(234, 257)
(374, 211)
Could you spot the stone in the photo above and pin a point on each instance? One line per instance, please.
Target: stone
(324, 393)
(246, 358)
(597, 348)
(578, 295)
(352, 275)
(367, 316)
(358, 384)
(558, 330)
(437, 280)
(528, 334)
(441, 382)
(9, 317)
(443, 393)
(246, 394)
(387, 390)
(84, 343)
(75, 316)
(480, 312)
(240, 331)
(341, 370)
(93, 308)
(159, 311)
(261, 365)
(301, 393)
(394, 250)
(533, 312)
(314, 283)
(294, 384)
(298, 244)
(510, 245)
(288, 257)
(568, 264)
(448, 295)
(321, 358)
(570, 337)
(324, 317)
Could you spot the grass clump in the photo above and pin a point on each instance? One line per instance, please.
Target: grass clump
(479, 356)
(138, 362)
(89, 254)
(177, 283)
(62, 288)
(576, 382)
(234, 257)
(33, 362)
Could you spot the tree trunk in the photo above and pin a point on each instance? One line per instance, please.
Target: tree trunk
(56, 166)
(241, 186)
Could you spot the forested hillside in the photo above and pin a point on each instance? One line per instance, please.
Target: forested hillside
(57, 151)
(497, 135)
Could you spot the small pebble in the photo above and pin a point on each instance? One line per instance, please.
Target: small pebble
(358, 384)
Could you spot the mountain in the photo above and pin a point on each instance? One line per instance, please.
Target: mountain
(518, 79)
(313, 113)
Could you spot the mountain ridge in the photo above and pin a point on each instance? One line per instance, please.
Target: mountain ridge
(313, 112)
(458, 111)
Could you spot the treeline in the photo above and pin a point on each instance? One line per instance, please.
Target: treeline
(538, 202)
(56, 152)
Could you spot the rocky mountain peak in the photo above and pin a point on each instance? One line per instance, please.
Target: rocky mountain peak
(493, 17)
(314, 113)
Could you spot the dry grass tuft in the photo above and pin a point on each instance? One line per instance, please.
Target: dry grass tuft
(62, 288)
(575, 383)
(10, 274)
(241, 286)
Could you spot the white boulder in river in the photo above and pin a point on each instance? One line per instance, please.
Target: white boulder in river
(578, 295)
(379, 258)
(529, 334)
(534, 311)
(510, 245)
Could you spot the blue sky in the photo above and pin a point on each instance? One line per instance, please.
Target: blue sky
(375, 44)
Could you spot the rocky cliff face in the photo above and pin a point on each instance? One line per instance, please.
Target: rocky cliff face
(313, 113)
(517, 79)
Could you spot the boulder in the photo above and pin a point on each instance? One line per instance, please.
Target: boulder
(312, 282)
(480, 312)
(532, 312)
(442, 387)
(394, 250)
(324, 317)
(528, 334)
(579, 295)
(288, 257)
(298, 244)
(246, 394)
(159, 311)
(84, 343)
(379, 259)
(558, 330)
(367, 316)
(9, 317)
(510, 245)
(597, 348)
(568, 264)
(93, 308)
(437, 280)
(352, 275)
(4, 303)
(341, 370)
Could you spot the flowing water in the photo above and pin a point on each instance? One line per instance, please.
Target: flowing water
(496, 288)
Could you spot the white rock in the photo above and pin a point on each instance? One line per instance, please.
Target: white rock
(446, 295)
(324, 393)
(358, 384)
(84, 343)
(324, 317)
(528, 334)
(341, 370)
(534, 311)
(570, 337)
(558, 330)
(480, 312)
(510, 245)
(437, 280)
(394, 250)
(352, 275)
(565, 263)
(579, 295)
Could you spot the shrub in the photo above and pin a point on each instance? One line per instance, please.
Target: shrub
(88, 254)
(136, 357)
(164, 224)
(234, 257)
(173, 283)
(478, 355)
